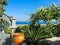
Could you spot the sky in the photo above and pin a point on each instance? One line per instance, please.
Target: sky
(21, 10)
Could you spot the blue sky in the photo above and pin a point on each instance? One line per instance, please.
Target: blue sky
(21, 9)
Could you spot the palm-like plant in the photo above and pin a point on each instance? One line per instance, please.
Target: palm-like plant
(2, 3)
(47, 15)
(5, 25)
(32, 37)
(56, 30)
(3, 21)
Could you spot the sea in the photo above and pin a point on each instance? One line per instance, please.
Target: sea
(21, 23)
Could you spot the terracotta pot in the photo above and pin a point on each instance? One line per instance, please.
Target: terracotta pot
(18, 38)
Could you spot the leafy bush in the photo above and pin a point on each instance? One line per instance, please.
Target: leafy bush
(56, 30)
(18, 29)
(22, 29)
(8, 31)
(33, 36)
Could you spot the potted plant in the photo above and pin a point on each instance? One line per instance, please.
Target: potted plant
(18, 37)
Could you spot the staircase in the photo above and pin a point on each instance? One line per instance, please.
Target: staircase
(3, 35)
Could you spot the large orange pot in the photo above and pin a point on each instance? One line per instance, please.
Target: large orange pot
(18, 38)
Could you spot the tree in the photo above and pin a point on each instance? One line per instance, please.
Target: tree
(47, 15)
(46, 31)
(3, 21)
(2, 4)
(56, 30)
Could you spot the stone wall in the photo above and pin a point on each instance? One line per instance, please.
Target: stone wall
(3, 36)
(50, 41)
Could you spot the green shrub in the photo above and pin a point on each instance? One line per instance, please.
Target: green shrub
(42, 32)
(8, 31)
(56, 30)
(35, 35)
(18, 29)
(22, 28)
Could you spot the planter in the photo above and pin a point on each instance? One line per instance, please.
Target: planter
(18, 38)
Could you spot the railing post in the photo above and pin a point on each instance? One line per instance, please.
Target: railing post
(13, 25)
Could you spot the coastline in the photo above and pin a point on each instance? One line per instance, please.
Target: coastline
(21, 24)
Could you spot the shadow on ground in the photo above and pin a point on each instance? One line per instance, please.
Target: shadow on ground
(43, 42)
(7, 41)
(56, 43)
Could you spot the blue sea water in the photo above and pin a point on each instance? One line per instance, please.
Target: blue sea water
(20, 22)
